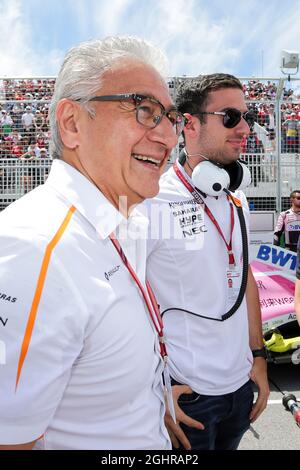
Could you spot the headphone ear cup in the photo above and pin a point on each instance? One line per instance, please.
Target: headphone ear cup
(247, 178)
(210, 178)
(239, 174)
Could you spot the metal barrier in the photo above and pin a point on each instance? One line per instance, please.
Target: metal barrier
(19, 176)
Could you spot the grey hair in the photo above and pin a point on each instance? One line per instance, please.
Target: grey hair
(83, 67)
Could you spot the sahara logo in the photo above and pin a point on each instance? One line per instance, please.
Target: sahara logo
(7, 298)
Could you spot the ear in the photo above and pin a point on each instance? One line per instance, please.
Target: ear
(67, 116)
(192, 127)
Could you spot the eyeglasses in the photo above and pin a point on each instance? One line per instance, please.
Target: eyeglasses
(297, 197)
(149, 111)
(232, 117)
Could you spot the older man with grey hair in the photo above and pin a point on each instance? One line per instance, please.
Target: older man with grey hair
(83, 342)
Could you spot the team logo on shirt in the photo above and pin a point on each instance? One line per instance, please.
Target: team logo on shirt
(7, 298)
(111, 272)
(189, 216)
(3, 321)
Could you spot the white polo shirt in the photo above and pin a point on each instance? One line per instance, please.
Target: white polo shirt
(82, 363)
(186, 266)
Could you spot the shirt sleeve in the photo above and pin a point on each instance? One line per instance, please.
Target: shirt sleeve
(279, 228)
(39, 342)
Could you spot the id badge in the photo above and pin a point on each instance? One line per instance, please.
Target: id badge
(233, 281)
(168, 392)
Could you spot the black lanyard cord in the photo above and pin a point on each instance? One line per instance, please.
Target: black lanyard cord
(243, 285)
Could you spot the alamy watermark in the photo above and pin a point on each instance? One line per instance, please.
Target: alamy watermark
(176, 220)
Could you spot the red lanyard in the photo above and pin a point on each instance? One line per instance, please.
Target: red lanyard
(199, 200)
(152, 306)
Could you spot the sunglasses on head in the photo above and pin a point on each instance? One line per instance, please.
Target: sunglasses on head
(232, 117)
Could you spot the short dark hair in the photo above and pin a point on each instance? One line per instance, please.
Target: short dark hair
(293, 194)
(193, 93)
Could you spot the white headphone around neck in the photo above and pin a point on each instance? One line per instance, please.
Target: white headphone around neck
(212, 179)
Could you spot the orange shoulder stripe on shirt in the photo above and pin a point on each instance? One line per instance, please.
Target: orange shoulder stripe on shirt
(237, 201)
(39, 289)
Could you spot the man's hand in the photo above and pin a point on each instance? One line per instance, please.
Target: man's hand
(174, 429)
(259, 376)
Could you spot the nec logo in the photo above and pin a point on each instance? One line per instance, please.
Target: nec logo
(111, 272)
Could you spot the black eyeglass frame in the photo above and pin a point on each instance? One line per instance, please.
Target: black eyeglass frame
(238, 117)
(138, 99)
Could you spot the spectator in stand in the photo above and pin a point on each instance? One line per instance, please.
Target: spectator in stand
(39, 121)
(16, 114)
(6, 123)
(36, 149)
(6, 170)
(271, 122)
(292, 126)
(6, 147)
(252, 148)
(261, 115)
(27, 122)
(15, 135)
(287, 229)
(43, 153)
(17, 149)
(41, 139)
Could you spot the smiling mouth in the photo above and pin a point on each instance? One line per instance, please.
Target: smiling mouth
(145, 159)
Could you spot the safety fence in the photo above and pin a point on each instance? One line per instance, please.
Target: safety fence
(19, 176)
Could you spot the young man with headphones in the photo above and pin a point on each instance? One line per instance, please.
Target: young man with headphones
(200, 273)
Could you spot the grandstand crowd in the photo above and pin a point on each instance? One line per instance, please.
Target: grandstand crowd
(24, 124)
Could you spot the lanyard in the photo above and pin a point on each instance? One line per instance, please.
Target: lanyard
(199, 200)
(152, 306)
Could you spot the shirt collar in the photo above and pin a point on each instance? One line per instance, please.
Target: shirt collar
(85, 197)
